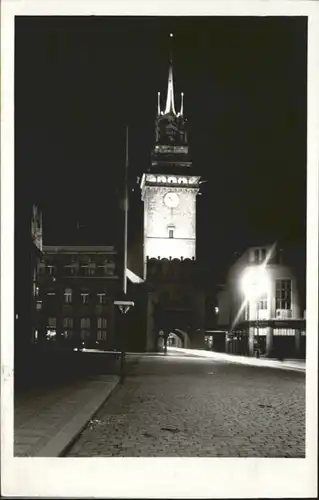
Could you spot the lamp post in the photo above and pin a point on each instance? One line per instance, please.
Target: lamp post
(125, 215)
(124, 305)
(255, 284)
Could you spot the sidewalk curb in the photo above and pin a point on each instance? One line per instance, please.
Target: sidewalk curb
(58, 445)
(248, 361)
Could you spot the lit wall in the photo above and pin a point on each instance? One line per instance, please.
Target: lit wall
(158, 219)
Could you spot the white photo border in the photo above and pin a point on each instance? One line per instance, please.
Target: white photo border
(156, 477)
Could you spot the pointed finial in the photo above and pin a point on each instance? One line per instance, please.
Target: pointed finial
(171, 35)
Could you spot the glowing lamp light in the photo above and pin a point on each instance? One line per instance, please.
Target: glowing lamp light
(255, 282)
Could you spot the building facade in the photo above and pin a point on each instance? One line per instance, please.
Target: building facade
(259, 307)
(75, 295)
(28, 254)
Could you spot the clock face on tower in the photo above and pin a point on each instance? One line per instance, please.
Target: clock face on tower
(171, 200)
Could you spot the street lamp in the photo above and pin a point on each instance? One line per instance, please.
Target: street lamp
(255, 284)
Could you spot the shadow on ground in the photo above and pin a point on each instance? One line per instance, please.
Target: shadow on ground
(42, 367)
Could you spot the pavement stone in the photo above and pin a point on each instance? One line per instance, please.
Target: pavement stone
(46, 421)
(240, 411)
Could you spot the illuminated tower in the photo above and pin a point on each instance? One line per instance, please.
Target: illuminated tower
(169, 189)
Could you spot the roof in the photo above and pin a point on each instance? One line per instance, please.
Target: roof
(79, 249)
(134, 278)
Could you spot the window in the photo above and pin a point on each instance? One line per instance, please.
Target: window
(51, 270)
(71, 269)
(171, 233)
(262, 303)
(101, 323)
(91, 269)
(68, 296)
(85, 328)
(68, 322)
(85, 269)
(34, 288)
(51, 328)
(284, 332)
(182, 180)
(246, 312)
(283, 294)
(41, 268)
(68, 328)
(101, 298)
(101, 335)
(52, 322)
(109, 268)
(85, 298)
(85, 322)
(259, 255)
(102, 329)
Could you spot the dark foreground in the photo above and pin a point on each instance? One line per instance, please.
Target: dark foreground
(187, 406)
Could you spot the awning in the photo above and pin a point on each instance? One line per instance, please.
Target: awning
(134, 278)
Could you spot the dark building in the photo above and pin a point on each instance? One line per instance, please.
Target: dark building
(77, 288)
(28, 253)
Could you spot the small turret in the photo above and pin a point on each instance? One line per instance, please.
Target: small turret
(159, 103)
(182, 105)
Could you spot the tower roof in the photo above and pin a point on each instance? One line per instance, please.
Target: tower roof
(170, 99)
(170, 105)
(171, 147)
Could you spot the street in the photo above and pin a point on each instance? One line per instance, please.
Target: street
(185, 406)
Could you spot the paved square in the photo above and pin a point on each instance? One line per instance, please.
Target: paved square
(171, 406)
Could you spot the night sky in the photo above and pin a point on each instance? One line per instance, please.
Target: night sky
(78, 81)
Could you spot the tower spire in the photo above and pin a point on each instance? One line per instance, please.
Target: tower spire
(170, 105)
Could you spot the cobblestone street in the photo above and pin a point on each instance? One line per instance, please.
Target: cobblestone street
(177, 405)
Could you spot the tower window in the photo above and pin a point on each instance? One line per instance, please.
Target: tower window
(171, 233)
